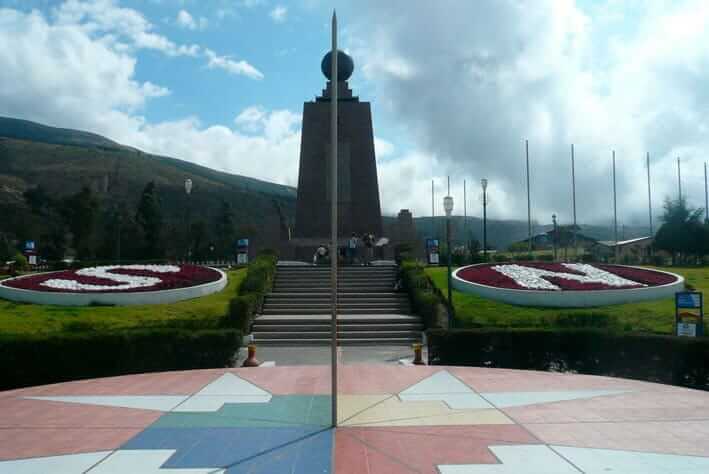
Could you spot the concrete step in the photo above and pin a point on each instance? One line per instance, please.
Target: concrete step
(326, 284)
(340, 334)
(307, 311)
(326, 295)
(404, 341)
(340, 300)
(340, 290)
(326, 305)
(325, 328)
(391, 318)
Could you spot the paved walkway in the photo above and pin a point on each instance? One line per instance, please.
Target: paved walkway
(393, 419)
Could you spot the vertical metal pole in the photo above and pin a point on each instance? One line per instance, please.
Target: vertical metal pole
(529, 205)
(450, 278)
(706, 196)
(465, 216)
(615, 213)
(573, 199)
(679, 179)
(485, 224)
(433, 212)
(649, 195)
(333, 215)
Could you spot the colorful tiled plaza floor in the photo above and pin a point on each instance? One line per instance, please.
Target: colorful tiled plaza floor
(392, 419)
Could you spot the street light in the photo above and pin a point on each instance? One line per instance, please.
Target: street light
(483, 182)
(448, 207)
(188, 191)
(553, 219)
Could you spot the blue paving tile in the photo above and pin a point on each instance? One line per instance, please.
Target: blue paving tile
(243, 450)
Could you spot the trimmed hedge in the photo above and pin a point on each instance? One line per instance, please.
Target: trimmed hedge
(41, 359)
(426, 299)
(254, 287)
(654, 358)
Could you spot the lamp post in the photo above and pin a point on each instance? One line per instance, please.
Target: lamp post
(188, 191)
(483, 182)
(553, 240)
(448, 207)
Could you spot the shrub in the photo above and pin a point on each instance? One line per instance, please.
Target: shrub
(500, 258)
(20, 262)
(545, 257)
(42, 359)
(526, 257)
(426, 300)
(664, 359)
(256, 283)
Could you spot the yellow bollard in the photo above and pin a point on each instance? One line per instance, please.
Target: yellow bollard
(251, 360)
(417, 354)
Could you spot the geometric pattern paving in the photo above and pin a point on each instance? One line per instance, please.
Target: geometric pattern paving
(392, 419)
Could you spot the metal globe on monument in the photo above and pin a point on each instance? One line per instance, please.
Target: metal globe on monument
(345, 66)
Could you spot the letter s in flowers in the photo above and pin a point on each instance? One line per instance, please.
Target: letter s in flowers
(533, 278)
(125, 281)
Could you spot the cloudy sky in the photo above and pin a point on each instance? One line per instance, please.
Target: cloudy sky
(456, 88)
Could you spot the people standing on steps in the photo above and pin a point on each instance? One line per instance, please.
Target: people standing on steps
(368, 240)
(352, 248)
(320, 255)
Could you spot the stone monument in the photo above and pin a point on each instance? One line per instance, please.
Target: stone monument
(359, 209)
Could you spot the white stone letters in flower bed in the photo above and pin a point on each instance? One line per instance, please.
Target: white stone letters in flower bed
(566, 284)
(115, 285)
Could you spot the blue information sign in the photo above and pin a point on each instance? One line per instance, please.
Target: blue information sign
(689, 314)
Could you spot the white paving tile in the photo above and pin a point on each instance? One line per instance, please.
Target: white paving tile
(527, 459)
(607, 461)
(517, 399)
(215, 402)
(230, 384)
(144, 461)
(143, 402)
(68, 464)
(440, 382)
(456, 401)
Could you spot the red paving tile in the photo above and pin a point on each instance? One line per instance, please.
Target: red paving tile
(18, 412)
(17, 443)
(384, 450)
(685, 438)
(508, 380)
(380, 379)
(163, 383)
(675, 404)
(303, 380)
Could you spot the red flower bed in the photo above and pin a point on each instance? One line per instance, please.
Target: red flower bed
(487, 275)
(189, 275)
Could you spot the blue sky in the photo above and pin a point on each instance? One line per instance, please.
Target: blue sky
(456, 87)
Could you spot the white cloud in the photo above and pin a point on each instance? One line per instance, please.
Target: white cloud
(469, 82)
(63, 74)
(186, 20)
(233, 67)
(279, 14)
(117, 26)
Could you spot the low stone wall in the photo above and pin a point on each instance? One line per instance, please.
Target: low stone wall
(112, 299)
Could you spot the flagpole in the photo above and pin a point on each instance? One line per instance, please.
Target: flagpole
(573, 194)
(615, 212)
(529, 205)
(333, 215)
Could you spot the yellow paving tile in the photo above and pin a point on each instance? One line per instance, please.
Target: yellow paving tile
(393, 412)
(351, 405)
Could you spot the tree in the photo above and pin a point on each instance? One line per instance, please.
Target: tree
(80, 213)
(149, 219)
(682, 232)
(225, 229)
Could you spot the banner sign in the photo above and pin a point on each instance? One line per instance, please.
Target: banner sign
(432, 251)
(689, 314)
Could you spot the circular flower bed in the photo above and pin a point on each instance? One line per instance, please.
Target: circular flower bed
(566, 284)
(115, 285)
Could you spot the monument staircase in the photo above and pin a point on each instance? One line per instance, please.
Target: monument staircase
(370, 311)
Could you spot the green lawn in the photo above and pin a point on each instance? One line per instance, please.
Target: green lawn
(651, 316)
(198, 313)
